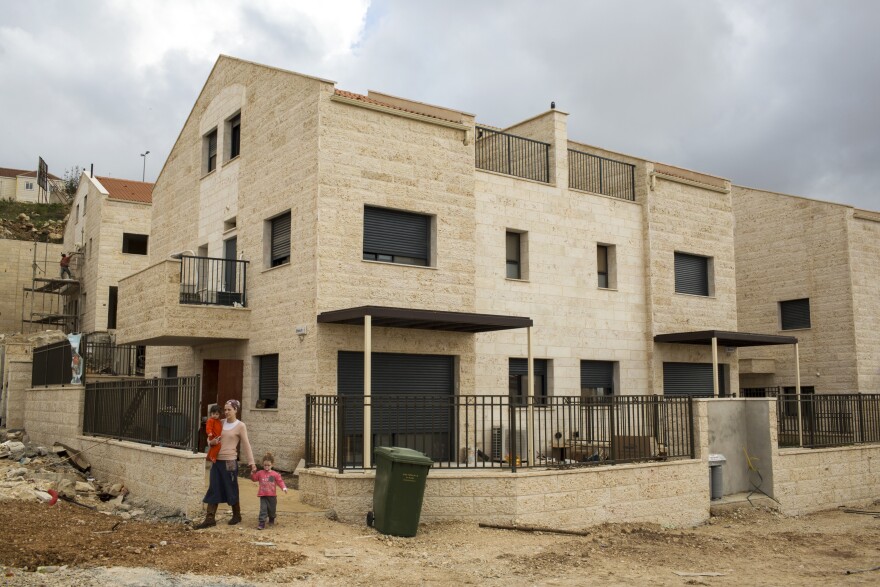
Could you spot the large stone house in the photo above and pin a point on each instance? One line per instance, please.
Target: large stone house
(108, 233)
(297, 226)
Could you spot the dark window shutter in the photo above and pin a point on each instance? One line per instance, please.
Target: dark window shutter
(111, 307)
(235, 142)
(521, 367)
(392, 232)
(691, 274)
(269, 377)
(596, 374)
(281, 239)
(795, 314)
(687, 379)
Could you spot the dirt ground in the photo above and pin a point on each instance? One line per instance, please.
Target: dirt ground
(746, 547)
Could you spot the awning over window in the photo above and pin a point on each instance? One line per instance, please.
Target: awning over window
(725, 338)
(384, 316)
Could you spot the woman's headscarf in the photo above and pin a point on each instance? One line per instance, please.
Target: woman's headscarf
(235, 404)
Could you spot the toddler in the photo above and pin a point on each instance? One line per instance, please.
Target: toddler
(268, 479)
(213, 428)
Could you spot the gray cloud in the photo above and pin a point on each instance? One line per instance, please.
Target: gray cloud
(781, 95)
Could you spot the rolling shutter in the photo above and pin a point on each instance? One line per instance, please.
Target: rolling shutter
(688, 379)
(691, 274)
(269, 377)
(597, 374)
(521, 367)
(795, 314)
(392, 232)
(281, 239)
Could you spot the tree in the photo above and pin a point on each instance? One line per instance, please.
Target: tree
(71, 181)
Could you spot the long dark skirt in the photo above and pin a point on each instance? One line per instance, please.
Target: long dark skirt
(223, 483)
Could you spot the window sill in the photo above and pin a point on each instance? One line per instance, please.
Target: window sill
(607, 289)
(514, 279)
(398, 264)
(213, 171)
(709, 297)
(795, 329)
(268, 269)
(228, 161)
(134, 254)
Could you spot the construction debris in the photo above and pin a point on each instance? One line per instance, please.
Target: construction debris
(536, 529)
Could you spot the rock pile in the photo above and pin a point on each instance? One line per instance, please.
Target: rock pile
(26, 228)
(32, 472)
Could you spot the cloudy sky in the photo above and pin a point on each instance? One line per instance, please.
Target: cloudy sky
(783, 95)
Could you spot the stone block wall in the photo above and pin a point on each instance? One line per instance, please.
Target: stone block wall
(174, 479)
(17, 378)
(810, 259)
(864, 244)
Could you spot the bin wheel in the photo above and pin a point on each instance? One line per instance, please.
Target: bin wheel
(370, 519)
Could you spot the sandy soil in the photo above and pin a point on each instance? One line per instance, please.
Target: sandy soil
(747, 547)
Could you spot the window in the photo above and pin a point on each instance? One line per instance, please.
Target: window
(90, 248)
(597, 378)
(28, 185)
(519, 381)
(692, 274)
(277, 234)
(794, 314)
(268, 381)
(606, 266)
(513, 255)
(111, 307)
(396, 237)
(693, 379)
(233, 131)
(85, 204)
(171, 387)
(134, 244)
(209, 147)
(77, 213)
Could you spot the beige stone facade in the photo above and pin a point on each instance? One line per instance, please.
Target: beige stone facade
(323, 155)
(16, 273)
(98, 223)
(793, 248)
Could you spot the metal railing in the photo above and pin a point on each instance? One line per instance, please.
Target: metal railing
(213, 282)
(51, 364)
(466, 432)
(760, 391)
(592, 173)
(827, 419)
(158, 412)
(512, 155)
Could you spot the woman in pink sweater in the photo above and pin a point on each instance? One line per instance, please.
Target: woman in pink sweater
(223, 486)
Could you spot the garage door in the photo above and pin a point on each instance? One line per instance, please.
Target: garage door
(422, 421)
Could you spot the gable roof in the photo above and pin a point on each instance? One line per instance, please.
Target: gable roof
(127, 189)
(9, 172)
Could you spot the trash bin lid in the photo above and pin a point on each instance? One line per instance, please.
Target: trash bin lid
(717, 458)
(399, 454)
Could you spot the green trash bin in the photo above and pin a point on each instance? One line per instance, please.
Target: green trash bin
(399, 489)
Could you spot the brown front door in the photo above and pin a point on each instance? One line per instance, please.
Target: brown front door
(221, 382)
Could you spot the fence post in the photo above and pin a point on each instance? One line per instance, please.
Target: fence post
(308, 428)
(612, 425)
(511, 430)
(692, 432)
(154, 410)
(340, 433)
(860, 436)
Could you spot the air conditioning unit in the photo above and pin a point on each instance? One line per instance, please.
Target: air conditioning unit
(501, 444)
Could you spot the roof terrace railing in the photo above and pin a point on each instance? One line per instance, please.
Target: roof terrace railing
(591, 173)
(512, 155)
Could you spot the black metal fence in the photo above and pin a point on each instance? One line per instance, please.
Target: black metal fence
(213, 282)
(760, 391)
(462, 432)
(158, 412)
(592, 173)
(828, 419)
(512, 155)
(51, 364)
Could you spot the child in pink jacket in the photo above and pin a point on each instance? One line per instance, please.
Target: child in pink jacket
(268, 479)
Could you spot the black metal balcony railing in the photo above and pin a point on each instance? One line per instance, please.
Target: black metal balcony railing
(591, 173)
(512, 155)
(158, 412)
(51, 364)
(213, 282)
(461, 432)
(828, 419)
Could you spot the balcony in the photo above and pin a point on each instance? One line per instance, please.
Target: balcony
(186, 302)
(591, 173)
(509, 154)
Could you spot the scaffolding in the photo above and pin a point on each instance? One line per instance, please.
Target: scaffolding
(52, 302)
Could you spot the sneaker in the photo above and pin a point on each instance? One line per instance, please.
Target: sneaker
(261, 525)
(271, 521)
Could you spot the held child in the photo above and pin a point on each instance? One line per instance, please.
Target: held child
(268, 479)
(213, 428)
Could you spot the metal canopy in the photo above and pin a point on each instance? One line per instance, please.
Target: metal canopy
(424, 319)
(725, 338)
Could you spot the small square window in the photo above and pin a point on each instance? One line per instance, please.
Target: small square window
(28, 185)
(134, 244)
(794, 314)
(597, 378)
(692, 274)
(267, 385)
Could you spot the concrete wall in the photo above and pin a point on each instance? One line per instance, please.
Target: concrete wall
(16, 258)
(737, 427)
(174, 479)
(16, 379)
